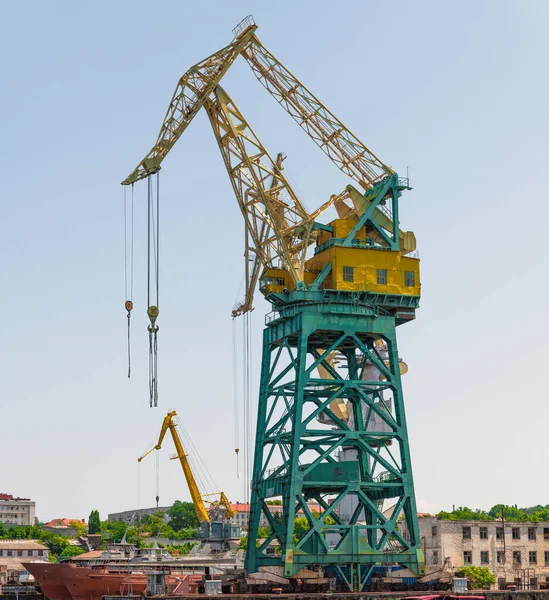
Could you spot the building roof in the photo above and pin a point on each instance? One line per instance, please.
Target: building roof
(64, 522)
(12, 498)
(21, 545)
(89, 555)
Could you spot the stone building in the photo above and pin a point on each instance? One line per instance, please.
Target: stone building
(17, 511)
(15, 552)
(516, 553)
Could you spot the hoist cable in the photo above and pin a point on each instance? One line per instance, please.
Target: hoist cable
(157, 477)
(236, 407)
(128, 272)
(153, 236)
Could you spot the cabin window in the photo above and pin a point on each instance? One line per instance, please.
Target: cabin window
(409, 278)
(348, 274)
(382, 276)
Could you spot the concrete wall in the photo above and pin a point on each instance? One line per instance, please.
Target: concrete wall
(127, 515)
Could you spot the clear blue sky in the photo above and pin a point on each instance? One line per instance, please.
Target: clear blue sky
(455, 90)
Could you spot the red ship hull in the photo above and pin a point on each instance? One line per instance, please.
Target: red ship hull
(45, 576)
(66, 581)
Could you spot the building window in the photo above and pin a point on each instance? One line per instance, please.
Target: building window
(466, 533)
(516, 533)
(468, 557)
(382, 276)
(40, 552)
(517, 558)
(10, 553)
(546, 533)
(409, 278)
(499, 533)
(349, 274)
(483, 533)
(546, 557)
(29, 552)
(433, 530)
(435, 557)
(484, 557)
(19, 552)
(500, 557)
(532, 557)
(531, 533)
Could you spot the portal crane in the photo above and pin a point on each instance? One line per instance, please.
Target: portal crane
(197, 497)
(338, 289)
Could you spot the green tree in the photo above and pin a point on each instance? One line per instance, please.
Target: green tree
(71, 551)
(79, 526)
(94, 522)
(464, 513)
(182, 516)
(480, 578)
(113, 530)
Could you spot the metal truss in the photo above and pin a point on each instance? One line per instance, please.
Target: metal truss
(349, 469)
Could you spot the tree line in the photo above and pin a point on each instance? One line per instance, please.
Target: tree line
(532, 514)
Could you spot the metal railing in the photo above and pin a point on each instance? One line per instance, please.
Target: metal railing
(243, 25)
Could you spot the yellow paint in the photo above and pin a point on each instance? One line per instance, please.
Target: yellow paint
(342, 228)
(365, 263)
(276, 280)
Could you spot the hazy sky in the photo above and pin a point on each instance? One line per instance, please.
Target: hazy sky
(456, 90)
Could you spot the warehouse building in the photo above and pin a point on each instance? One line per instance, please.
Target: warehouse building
(516, 553)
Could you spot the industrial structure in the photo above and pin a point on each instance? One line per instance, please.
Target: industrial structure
(331, 425)
(215, 525)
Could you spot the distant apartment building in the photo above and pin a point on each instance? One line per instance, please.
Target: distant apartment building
(128, 516)
(516, 553)
(17, 511)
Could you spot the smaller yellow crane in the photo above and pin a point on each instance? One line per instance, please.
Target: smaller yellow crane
(197, 497)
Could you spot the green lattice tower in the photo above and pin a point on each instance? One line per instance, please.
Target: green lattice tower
(296, 457)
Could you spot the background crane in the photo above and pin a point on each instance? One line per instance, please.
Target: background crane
(344, 297)
(198, 498)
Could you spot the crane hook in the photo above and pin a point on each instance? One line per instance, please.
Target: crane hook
(128, 306)
(153, 312)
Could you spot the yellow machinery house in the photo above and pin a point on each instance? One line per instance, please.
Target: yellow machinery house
(361, 267)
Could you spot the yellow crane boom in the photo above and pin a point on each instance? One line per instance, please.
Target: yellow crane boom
(196, 495)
